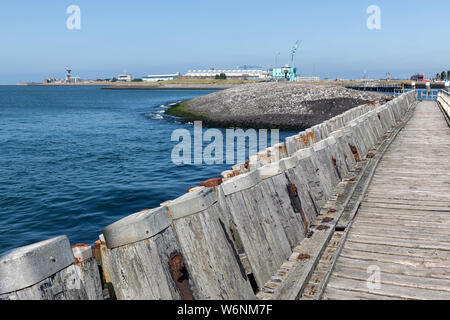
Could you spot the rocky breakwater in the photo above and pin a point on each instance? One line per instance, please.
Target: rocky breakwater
(286, 106)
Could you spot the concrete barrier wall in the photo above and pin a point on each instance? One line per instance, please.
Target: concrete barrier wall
(224, 240)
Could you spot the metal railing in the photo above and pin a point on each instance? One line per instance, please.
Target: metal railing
(422, 94)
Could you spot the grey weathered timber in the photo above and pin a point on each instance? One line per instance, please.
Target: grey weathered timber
(41, 271)
(211, 258)
(249, 205)
(301, 194)
(347, 160)
(290, 281)
(284, 195)
(359, 137)
(327, 169)
(136, 227)
(402, 229)
(305, 139)
(88, 271)
(309, 173)
(142, 270)
(192, 258)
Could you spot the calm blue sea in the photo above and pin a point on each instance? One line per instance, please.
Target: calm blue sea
(75, 159)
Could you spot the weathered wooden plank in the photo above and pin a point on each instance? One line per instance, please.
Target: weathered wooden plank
(310, 175)
(212, 259)
(400, 229)
(142, 270)
(388, 289)
(405, 216)
(284, 195)
(404, 251)
(338, 294)
(397, 259)
(412, 206)
(394, 279)
(304, 194)
(407, 241)
(408, 196)
(260, 231)
(331, 175)
(404, 236)
(407, 223)
(412, 270)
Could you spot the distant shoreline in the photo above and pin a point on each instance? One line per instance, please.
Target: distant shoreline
(180, 87)
(103, 86)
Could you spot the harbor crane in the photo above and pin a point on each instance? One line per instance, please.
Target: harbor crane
(294, 51)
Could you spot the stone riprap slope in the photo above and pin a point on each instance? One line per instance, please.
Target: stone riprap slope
(285, 106)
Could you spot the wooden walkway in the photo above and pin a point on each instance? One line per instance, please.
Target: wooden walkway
(402, 228)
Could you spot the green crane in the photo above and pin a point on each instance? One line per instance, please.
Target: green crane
(294, 51)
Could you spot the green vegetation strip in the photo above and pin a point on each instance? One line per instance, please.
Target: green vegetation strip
(181, 110)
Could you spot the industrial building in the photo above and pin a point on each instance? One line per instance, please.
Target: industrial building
(308, 79)
(236, 74)
(125, 77)
(418, 77)
(160, 77)
(284, 74)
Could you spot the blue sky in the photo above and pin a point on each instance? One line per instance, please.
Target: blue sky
(146, 37)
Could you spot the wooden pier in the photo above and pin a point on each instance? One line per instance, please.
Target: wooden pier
(402, 229)
(357, 207)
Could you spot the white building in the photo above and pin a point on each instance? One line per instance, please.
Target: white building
(308, 79)
(160, 77)
(125, 77)
(240, 74)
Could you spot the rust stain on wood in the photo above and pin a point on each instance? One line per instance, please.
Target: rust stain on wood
(304, 138)
(180, 276)
(297, 205)
(355, 152)
(211, 183)
(303, 256)
(311, 136)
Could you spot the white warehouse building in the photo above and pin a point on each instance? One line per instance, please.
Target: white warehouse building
(125, 77)
(160, 77)
(240, 74)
